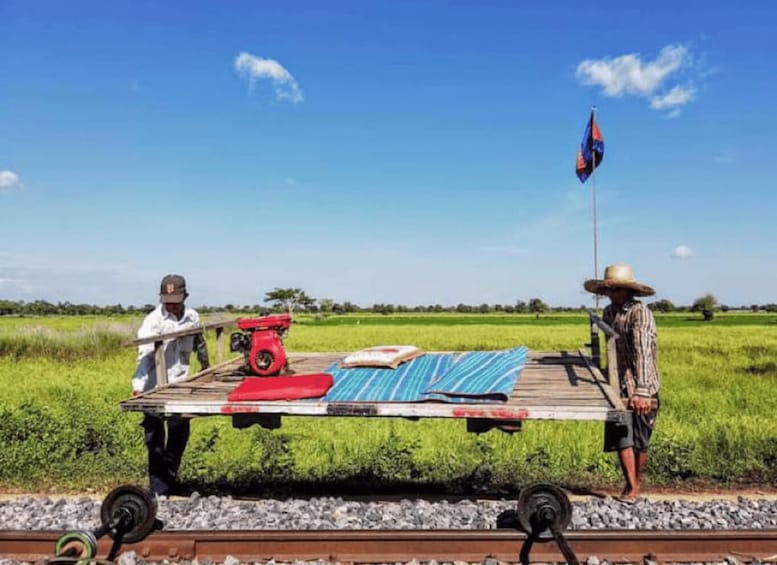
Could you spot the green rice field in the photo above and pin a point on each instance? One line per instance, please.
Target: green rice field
(62, 430)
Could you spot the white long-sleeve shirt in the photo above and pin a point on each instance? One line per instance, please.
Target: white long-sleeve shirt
(177, 351)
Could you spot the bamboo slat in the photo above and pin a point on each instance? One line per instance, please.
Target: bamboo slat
(558, 385)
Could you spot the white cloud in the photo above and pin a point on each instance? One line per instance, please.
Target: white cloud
(8, 181)
(255, 68)
(630, 75)
(627, 74)
(674, 113)
(682, 252)
(678, 96)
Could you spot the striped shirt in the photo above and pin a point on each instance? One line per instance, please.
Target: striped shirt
(636, 347)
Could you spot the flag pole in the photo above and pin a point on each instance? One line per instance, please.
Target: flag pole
(593, 200)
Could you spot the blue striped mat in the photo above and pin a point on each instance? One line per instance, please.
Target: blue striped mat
(480, 376)
(476, 376)
(406, 383)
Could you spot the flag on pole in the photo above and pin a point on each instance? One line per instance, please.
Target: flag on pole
(591, 152)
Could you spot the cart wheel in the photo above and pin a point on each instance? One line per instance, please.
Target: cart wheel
(542, 506)
(77, 545)
(263, 359)
(75, 561)
(129, 512)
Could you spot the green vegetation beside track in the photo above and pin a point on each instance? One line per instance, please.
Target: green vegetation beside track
(61, 427)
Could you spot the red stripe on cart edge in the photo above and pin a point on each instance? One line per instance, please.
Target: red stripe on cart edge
(233, 409)
(494, 413)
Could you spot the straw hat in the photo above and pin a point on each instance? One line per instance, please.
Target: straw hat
(618, 276)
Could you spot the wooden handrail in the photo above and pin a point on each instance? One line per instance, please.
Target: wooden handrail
(159, 341)
(612, 362)
(596, 350)
(183, 333)
(612, 354)
(604, 326)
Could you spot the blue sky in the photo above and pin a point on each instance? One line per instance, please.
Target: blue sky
(397, 152)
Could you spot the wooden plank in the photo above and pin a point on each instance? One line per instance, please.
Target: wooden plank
(612, 362)
(606, 328)
(606, 388)
(201, 377)
(159, 363)
(557, 387)
(595, 345)
(561, 401)
(553, 385)
(183, 333)
(588, 392)
(583, 395)
(404, 410)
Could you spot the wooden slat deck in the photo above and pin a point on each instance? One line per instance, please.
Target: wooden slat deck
(558, 385)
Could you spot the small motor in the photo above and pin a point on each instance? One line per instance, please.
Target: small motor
(261, 341)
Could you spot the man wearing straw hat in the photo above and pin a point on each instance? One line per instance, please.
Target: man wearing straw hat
(637, 370)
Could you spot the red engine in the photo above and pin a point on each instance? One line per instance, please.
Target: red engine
(261, 341)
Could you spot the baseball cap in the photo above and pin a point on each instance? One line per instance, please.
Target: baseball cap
(173, 289)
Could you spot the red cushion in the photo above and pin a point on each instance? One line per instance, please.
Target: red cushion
(282, 388)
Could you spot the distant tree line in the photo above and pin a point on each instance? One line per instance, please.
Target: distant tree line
(709, 304)
(45, 308)
(295, 299)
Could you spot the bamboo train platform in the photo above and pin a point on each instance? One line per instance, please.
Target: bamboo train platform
(553, 385)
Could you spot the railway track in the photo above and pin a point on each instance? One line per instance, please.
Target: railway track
(533, 532)
(376, 546)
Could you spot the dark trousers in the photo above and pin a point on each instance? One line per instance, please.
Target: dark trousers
(164, 453)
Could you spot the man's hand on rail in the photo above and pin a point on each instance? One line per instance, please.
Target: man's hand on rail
(639, 404)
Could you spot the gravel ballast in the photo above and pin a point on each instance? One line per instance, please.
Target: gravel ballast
(328, 513)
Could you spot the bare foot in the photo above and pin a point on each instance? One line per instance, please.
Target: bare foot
(626, 498)
(628, 495)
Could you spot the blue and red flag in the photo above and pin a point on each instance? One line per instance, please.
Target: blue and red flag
(591, 152)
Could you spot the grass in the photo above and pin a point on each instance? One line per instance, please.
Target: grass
(679, 319)
(29, 342)
(61, 427)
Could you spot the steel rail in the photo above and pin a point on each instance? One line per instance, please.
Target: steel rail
(367, 546)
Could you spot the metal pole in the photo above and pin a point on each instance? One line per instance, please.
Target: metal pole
(593, 197)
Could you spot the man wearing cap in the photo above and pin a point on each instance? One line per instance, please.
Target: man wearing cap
(637, 370)
(172, 315)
